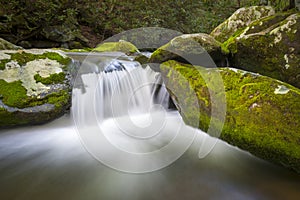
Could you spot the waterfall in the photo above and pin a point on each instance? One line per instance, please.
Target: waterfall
(119, 88)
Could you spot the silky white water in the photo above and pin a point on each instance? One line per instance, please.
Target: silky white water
(55, 161)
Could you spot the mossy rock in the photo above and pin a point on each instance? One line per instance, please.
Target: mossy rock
(198, 48)
(142, 59)
(34, 86)
(262, 114)
(121, 46)
(5, 45)
(240, 19)
(146, 39)
(273, 44)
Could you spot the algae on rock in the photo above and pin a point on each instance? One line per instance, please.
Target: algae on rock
(262, 114)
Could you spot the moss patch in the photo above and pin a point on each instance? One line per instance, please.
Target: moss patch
(52, 79)
(22, 58)
(13, 94)
(122, 46)
(272, 43)
(257, 120)
(3, 63)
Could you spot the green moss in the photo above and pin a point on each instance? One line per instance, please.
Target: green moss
(13, 94)
(265, 42)
(59, 99)
(55, 56)
(229, 45)
(22, 57)
(3, 63)
(52, 79)
(257, 120)
(122, 46)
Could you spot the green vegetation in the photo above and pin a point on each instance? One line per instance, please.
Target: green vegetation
(122, 46)
(2, 63)
(257, 119)
(25, 20)
(52, 79)
(273, 43)
(13, 94)
(22, 58)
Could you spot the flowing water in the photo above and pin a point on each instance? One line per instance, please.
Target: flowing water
(128, 106)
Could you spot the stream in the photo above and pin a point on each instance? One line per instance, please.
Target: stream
(118, 101)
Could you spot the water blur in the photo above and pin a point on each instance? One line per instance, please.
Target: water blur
(51, 161)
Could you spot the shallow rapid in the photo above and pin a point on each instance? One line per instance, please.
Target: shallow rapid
(129, 108)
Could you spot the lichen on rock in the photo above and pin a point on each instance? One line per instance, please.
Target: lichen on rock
(30, 82)
(262, 114)
(239, 20)
(273, 42)
(198, 48)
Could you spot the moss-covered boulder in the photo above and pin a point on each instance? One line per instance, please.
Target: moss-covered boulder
(262, 114)
(120, 46)
(240, 19)
(5, 45)
(273, 44)
(34, 86)
(197, 48)
(146, 38)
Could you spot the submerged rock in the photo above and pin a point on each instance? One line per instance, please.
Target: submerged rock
(34, 86)
(198, 48)
(121, 46)
(262, 114)
(240, 19)
(5, 45)
(273, 44)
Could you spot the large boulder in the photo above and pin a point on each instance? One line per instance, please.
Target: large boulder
(5, 45)
(262, 114)
(199, 48)
(240, 19)
(146, 39)
(273, 44)
(34, 86)
(120, 46)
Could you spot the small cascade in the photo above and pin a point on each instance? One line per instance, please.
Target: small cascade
(119, 88)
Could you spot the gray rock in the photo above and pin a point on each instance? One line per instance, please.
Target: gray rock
(273, 44)
(34, 86)
(7, 45)
(240, 19)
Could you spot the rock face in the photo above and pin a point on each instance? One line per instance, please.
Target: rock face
(198, 48)
(148, 38)
(262, 114)
(5, 45)
(121, 46)
(240, 19)
(34, 86)
(273, 43)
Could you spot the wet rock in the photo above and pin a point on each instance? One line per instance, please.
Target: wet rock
(273, 44)
(200, 49)
(262, 114)
(34, 86)
(240, 19)
(120, 46)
